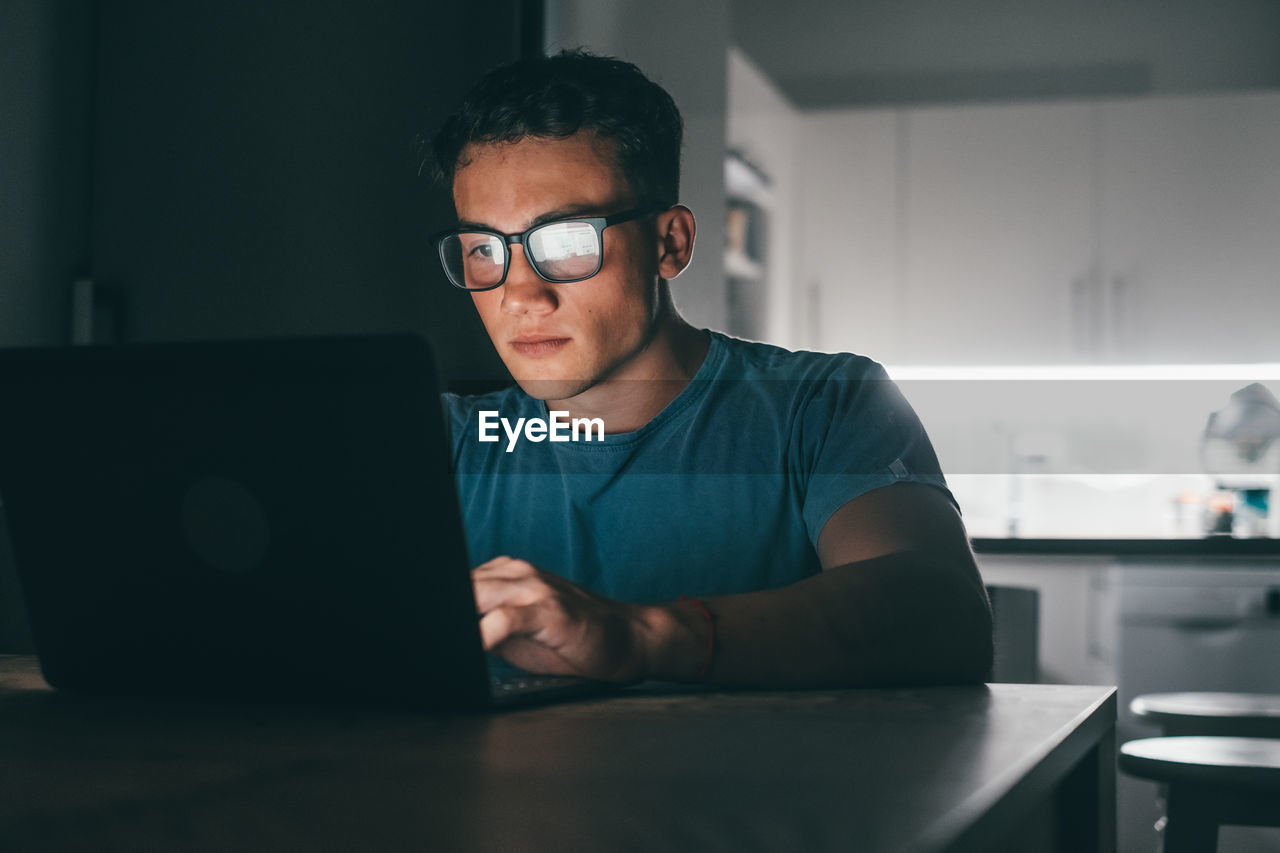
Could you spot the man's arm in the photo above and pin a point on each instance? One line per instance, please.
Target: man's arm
(899, 601)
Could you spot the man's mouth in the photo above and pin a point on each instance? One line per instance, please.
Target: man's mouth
(538, 345)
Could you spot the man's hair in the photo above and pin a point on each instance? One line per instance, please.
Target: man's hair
(554, 97)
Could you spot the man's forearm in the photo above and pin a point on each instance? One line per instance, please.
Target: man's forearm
(906, 618)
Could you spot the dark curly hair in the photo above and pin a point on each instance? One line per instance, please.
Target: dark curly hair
(554, 97)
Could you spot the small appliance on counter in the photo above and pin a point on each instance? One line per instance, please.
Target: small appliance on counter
(1240, 449)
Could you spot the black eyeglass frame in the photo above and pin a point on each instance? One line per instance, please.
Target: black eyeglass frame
(599, 223)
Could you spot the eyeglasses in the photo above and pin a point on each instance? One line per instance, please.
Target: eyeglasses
(561, 251)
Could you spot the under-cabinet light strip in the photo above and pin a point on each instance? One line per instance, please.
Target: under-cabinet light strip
(1229, 372)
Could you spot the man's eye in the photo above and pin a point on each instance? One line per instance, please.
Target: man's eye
(482, 249)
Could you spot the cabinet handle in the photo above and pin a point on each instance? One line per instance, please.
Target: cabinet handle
(1119, 313)
(1079, 315)
(1207, 624)
(1086, 312)
(1097, 315)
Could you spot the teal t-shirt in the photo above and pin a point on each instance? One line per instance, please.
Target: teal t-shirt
(724, 491)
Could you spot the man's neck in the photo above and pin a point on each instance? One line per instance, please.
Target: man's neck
(637, 394)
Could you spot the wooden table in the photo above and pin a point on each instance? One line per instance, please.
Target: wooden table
(1001, 767)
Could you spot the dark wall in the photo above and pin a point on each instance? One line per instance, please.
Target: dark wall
(255, 167)
(46, 50)
(236, 168)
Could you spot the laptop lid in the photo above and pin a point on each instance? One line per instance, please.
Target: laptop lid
(265, 519)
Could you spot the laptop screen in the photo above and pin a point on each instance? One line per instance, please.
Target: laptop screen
(268, 518)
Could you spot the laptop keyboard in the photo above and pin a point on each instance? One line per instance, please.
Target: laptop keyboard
(522, 684)
(510, 685)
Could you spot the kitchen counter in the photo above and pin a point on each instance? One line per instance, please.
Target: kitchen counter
(1216, 546)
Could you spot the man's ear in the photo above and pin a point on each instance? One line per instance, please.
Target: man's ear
(676, 230)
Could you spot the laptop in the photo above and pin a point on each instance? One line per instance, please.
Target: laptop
(254, 519)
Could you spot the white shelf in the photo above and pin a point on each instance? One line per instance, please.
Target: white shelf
(746, 182)
(738, 265)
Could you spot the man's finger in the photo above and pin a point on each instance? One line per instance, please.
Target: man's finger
(503, 558)
(504, 567)
(493, 592)
(502, 623)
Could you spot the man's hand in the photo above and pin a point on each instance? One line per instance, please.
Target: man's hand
(899, 601)
(543, 623)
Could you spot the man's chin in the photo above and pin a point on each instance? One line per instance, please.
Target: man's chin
(552, 389)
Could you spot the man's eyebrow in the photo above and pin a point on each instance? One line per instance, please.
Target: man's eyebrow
(566, 212)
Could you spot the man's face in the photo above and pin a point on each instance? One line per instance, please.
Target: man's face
(560, 339)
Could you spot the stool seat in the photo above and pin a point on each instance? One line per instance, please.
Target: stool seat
(1230, 761)
(1211, 782)
(1237, 714)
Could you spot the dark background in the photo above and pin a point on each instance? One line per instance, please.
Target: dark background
(234, 169)
(229, 169)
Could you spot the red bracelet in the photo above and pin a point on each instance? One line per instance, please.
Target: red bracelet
(711, 635)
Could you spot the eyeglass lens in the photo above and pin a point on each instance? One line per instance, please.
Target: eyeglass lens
(559, 251)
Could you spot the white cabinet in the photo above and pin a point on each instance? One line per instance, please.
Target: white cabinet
(1077, 616)
(1190, 225)
(998, 238)
(1125, 231)
(846, 231)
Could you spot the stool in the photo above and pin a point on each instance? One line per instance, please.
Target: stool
(1212, 781)
(1230, 714)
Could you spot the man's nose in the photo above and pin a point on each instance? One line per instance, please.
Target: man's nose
(524, 290)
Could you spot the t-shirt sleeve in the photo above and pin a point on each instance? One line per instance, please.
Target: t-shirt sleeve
(859, 433)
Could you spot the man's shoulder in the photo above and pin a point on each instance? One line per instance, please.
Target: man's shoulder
(746, 359)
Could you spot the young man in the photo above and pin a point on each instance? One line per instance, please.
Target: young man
(721, 510)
